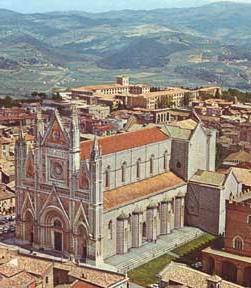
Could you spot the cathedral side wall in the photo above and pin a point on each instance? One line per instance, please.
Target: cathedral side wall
(112, 215)
(130, 157)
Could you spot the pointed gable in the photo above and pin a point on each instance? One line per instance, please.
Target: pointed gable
(81, 217)
(56, 134)
(27, 204)
(54, 200)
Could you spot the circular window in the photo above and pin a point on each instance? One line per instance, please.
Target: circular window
(178, 165)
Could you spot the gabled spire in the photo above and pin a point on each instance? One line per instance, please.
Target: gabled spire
(74, 128)
(39, 126)
(95, 153)
(21, 133)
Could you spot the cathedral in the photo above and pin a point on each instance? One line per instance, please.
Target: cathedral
(93, 199)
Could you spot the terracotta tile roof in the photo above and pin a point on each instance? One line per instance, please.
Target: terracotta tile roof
(124, 141)
(140, 190)
(97, 87)
(180, 273)
(209, 178)
(4, 194)
(241, 156)
(187, 124)
(242, 175)
(20, 280)
(31, 265)
(82, 284)
(96, 277)
(9, 271)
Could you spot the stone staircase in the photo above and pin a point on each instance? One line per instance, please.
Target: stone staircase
(149, 251)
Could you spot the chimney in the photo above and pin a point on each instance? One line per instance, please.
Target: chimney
(214, 281)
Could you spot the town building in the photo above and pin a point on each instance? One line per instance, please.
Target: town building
(205, 200)
(24, 269)
(233, 263)
(237, 158)
(183, 276)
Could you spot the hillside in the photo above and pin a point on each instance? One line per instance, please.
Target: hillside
(187, 46)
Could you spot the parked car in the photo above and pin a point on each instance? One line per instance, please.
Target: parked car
(12, 218)
(12, 228)
(1, 230)
(5, 229)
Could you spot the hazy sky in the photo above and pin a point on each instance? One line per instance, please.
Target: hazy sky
(97, 5)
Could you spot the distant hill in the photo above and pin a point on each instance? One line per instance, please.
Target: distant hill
(141, 52)
(170, 44)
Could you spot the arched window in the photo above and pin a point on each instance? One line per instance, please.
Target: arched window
(249, 219)
(138, 168)
(110, 229)
(165, 163)
(238, 243)
(107, 176)
(123, 172)
(152, 164)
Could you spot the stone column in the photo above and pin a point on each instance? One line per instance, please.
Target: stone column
(171, 207)
(164, 217)
(177, 213)
(122, 234)
(182, 220)
(136, 228)
(151, 221)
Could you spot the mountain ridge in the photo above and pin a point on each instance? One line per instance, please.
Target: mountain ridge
(80, 46)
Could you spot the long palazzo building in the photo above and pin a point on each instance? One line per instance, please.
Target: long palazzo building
(94, 199)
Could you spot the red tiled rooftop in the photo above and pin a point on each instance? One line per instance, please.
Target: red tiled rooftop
(120, 142)
(93, 277)
(20, 280)
(9, 271)
(83, 284)
(140, 190)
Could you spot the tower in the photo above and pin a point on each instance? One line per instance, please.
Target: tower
(96, 204)
(20, 156)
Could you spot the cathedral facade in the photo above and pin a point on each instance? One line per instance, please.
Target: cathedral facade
(96, 198)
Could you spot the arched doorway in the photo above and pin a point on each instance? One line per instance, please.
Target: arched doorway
(247, 277)
(55, 230)
(82, 242)
(57, 235)
(229, 271)
(28, 226)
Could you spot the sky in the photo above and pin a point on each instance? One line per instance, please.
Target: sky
(31, 6)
